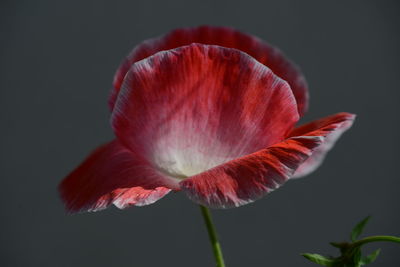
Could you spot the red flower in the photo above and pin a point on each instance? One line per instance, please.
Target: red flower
(212, 115)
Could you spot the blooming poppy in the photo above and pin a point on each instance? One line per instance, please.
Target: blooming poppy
(209, 111)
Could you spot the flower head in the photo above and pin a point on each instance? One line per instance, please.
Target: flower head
(209, 111)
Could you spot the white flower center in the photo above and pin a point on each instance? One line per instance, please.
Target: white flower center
(183, 163)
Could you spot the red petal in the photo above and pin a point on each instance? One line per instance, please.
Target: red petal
(226, 37)
(332, 128)
(246, 179)
(112, 174)
(198, 106)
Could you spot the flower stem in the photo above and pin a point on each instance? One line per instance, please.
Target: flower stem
(376, 239)
(212, 233)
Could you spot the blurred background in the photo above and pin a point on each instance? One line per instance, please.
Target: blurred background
(57, 61)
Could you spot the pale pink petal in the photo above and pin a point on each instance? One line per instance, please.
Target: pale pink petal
(332, 127)
(113, 174)
(226, 37)
(195, 107)
(248, 178)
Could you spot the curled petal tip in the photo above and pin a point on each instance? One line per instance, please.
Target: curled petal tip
(331, 128)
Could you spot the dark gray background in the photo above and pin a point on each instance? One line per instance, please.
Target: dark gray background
(57, 63)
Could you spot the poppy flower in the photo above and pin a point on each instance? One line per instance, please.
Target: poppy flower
(208, 111)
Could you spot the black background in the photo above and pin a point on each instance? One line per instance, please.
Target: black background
(57, 63)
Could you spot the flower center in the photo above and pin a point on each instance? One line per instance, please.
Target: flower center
(181, 164)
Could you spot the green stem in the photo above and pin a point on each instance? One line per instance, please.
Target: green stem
(375, 239)
(212, 233)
